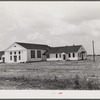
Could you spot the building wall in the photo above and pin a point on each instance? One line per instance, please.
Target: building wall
(23, 56)
(73, 58)
(84, 54)
(35, 59)
(77, 57)
(53, 57)
(16, 48)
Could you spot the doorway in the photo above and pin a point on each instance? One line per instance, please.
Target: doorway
(82, 54)
(15, 58)
(64, 57)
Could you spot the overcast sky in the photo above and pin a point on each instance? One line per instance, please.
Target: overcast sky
(51, 23)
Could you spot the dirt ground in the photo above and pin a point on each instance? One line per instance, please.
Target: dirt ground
(47, 70)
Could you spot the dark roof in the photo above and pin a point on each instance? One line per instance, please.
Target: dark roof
(1, 53)
(33, 46)
(65, 49)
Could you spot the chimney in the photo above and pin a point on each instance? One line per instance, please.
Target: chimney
(73, 44)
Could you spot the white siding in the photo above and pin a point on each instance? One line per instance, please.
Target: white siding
(35, 59)
(53, 57)
(73, 58)
(23, 56)
(15, 47)
(84, 55)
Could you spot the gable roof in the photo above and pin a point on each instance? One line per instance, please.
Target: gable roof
(33, 46)
(65, 49)
(1, 53)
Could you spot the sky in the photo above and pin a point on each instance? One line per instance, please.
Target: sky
(52, 23)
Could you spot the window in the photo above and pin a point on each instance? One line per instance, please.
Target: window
(19, 57)
(32, 53)
(38, 54)
(60, 55)
(73, 54)
(48, 56)
(10, 57)
(56, 55)
(19, 52)
(0, 58)
(10, 53)
(69, 55)
(14, 52)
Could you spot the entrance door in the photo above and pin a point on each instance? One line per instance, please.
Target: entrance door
(15, 58)
(82, 55)
(64, 57)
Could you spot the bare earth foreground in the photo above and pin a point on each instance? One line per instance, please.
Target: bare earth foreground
(71, 75)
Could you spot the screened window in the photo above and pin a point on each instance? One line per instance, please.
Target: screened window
(69, 55)
(10, 53)
(14, 52)
(56, 55)
(32, 53)
(73, 54)
(19, 52)
(10, 57)
(19, 57)
(38, 54)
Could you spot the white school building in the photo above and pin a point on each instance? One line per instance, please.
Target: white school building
(27, 52)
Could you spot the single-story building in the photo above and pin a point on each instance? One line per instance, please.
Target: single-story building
(2, 58)
(25, 52)
(75, 52)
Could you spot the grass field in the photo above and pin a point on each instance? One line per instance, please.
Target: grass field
(67, 75)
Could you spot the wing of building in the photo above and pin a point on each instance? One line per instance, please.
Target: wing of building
(75, 52)
(26, 52)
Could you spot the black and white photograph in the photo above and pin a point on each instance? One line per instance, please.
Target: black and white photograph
(49, 45)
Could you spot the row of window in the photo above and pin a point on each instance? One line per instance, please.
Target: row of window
(59, 55)
(16, 56)
(69, 55)
(19, 57)
(33, 54)
(15, 52)
(73, 55)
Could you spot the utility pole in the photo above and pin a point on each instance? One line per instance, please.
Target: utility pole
(93, 51)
